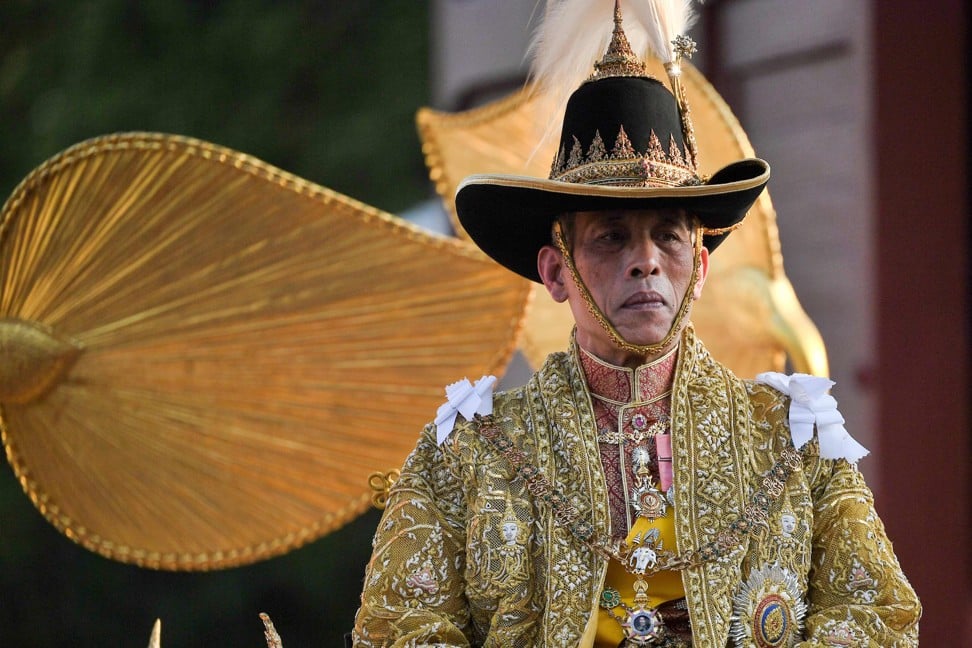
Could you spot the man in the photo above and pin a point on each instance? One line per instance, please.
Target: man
(634, 492)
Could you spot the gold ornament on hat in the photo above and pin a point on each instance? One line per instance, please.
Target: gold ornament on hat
(619, 60)
(663, 164)
(684, 47)
(667, 23)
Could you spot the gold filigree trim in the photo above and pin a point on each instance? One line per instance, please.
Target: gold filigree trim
(628, 371)
(624, 166)
(653, 399)
(381, 483)
(684, 47)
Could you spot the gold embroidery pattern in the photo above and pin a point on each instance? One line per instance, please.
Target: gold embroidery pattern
(412, 570)
(561, 405)
(885, 602)
(845, 560)
(427, 582)
(709, 433)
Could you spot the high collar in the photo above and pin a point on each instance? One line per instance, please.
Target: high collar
(621, 385)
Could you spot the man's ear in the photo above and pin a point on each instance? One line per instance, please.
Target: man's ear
(550, 265)
(703, 273)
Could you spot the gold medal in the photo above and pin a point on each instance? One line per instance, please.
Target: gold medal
(646, 500)
(642, 624)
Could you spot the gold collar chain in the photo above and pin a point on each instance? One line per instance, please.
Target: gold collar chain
(618, 437)
(638, 558)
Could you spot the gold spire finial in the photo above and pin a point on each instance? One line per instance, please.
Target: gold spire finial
(620, 59)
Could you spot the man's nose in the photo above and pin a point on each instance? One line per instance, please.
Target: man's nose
(643, 260)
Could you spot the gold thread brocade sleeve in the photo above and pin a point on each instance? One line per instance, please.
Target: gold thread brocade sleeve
(413, 589)
(858, 594)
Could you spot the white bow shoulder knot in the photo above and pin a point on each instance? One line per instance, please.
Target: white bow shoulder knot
(463, 397)
(810, 405)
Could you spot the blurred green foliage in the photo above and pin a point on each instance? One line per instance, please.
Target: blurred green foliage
(325, 89)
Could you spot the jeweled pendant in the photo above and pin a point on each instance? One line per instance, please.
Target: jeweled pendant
(640, 459)
(610, 598)
(649, 502)
(643, 626)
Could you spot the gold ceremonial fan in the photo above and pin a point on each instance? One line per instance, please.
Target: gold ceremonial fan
(749, 315)
(203, 358)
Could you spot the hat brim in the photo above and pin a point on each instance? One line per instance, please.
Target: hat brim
(510, 217)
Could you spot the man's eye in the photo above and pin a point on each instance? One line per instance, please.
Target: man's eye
(611, 235)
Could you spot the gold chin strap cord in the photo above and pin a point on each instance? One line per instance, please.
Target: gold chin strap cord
(595, 311)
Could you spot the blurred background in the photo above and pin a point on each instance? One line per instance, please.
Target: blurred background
(860, 107)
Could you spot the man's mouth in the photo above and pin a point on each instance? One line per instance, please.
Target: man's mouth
(644, 300)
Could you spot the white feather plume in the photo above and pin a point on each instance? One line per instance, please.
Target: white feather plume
(574, 34)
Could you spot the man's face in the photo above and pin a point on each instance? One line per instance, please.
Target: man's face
(637, 265)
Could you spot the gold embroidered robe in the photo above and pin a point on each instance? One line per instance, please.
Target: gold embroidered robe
(465, 555)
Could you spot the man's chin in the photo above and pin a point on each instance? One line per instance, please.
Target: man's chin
(644, 337)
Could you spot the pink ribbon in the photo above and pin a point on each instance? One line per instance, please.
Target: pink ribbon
(663, 446)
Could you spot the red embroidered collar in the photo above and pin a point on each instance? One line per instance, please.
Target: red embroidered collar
(621, 385)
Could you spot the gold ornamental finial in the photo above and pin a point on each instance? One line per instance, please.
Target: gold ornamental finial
(620, 59)
(273, 639)
(683, 47)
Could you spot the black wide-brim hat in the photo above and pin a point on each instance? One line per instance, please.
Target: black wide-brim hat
(621, 147)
